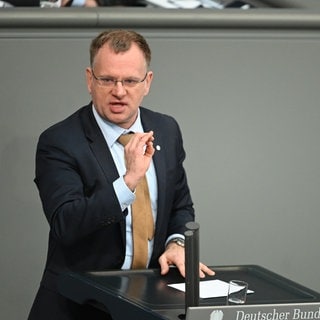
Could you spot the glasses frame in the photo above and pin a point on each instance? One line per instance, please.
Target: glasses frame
(133, 82)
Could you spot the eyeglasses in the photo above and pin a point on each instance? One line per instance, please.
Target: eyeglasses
(111, 82)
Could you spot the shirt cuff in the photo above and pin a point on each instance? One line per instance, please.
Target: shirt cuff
(124, 194)
(175, 235)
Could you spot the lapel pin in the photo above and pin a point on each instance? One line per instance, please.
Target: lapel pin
(158, 147)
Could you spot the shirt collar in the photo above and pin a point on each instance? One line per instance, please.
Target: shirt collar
(111, 131)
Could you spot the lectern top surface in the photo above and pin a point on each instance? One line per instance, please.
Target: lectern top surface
(149, 289)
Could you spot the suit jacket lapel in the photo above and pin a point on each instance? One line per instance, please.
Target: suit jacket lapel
(100, 149)
(159, 161)
(98, 144)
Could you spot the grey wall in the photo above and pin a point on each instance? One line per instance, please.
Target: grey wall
(247, 99)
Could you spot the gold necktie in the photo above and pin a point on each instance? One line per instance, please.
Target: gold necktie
(142, 219)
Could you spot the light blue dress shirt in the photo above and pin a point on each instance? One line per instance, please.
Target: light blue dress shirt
(111, 133)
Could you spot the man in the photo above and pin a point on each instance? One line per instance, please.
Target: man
(87, 179)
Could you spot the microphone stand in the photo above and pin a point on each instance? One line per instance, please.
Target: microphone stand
(192, 265)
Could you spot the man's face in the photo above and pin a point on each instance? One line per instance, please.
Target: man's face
(118, 103)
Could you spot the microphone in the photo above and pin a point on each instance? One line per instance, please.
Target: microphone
(192, 265)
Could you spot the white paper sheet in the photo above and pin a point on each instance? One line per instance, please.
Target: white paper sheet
(208, 289)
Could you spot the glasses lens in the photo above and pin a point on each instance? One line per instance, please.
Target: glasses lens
(130, 83)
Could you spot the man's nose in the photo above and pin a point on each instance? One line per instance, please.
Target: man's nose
(119, 89)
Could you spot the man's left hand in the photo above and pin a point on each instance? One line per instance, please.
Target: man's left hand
(174, 255)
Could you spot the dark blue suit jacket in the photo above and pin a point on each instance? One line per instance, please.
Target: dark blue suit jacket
(75, 173)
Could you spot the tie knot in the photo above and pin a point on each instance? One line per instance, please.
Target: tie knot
(125, 138)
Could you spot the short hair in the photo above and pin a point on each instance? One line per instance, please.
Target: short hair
(120, 41)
